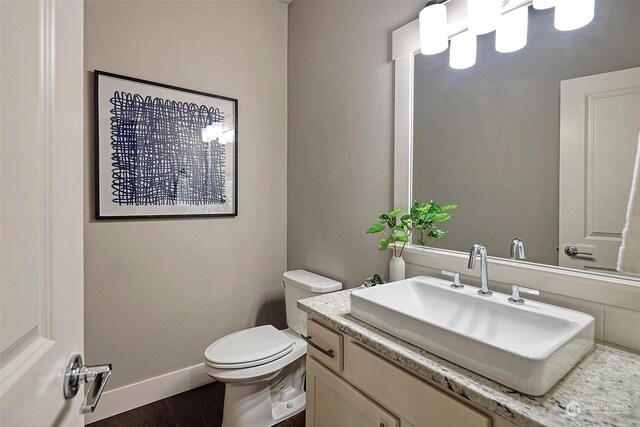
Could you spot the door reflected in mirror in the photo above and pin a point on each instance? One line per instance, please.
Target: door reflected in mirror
(537, 144)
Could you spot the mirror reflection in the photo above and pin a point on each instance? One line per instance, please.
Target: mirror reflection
(540, 158)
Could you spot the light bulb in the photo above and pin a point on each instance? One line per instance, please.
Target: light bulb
(573, 14)
(483, 15)
(512, 30)
(433, 29)
(463, 50)
(543, 4)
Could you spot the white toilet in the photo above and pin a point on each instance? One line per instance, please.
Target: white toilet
(264, 368)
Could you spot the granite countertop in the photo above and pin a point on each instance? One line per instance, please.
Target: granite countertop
(604, 387)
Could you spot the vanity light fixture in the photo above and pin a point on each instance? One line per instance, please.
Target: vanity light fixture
(433, 29)
(543, 4)
(463, 50)
(573, 14)
(485, 16)
(511, 34)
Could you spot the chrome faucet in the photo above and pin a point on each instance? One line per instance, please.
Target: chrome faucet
(515, 294)
(478, 248)
(517, 248)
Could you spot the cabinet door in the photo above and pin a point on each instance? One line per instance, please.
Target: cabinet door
(331, 402)
(414, 400)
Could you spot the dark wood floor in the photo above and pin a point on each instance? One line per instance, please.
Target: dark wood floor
(195, 408)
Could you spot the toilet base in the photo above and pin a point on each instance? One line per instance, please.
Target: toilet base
(267, 402)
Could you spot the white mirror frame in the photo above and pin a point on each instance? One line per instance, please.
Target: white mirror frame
(599, 288)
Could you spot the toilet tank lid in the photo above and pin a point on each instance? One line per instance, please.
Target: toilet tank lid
(310, 281)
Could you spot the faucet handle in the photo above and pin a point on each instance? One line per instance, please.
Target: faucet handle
(515, 294)
(456, 278)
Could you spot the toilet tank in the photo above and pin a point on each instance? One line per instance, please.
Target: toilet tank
(300, 284)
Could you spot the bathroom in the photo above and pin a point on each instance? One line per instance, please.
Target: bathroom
(338, 119)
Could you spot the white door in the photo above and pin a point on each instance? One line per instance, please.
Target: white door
(41, 209)
(599, 128)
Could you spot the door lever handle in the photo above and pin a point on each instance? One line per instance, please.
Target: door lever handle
(77, 374)
(573, 251)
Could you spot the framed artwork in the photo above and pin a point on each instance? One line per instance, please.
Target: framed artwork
(163, 151)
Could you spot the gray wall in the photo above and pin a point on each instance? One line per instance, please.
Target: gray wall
(340, 166)
(158, 292)
(487, 138)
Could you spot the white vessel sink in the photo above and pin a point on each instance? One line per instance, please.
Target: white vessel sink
(527, 347)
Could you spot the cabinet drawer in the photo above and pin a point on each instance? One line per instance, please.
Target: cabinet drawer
(332, 402)
(320, 341)
(420, 403)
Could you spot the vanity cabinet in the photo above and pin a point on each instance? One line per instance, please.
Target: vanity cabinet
(332, 402)
(349, 385)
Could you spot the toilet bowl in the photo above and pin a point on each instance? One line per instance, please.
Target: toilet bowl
(263, 367)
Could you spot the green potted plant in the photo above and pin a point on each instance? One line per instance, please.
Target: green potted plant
(425, 219)
(398, 230)
(396, 234)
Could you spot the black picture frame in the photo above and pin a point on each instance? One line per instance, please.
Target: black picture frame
(195, 181)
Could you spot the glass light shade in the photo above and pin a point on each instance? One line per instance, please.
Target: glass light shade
(544, 4)
(463, 50)
(433, 29)
(573, 14)
(483, 15)
(512, 30)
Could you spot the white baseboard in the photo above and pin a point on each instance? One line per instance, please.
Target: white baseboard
(133, 396)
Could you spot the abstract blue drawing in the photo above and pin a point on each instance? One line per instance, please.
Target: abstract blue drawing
(163, 151)
(159, 155)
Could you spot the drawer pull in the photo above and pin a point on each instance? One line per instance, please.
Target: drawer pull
(317, 347)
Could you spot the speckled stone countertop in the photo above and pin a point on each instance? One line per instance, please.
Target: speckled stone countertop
(604, 387)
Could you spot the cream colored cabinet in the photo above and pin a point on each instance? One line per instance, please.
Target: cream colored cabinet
(332, 402)
(349, 385)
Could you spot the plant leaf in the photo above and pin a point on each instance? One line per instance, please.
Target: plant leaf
(375, 228)
(448, 207)
(395, 213)
(442, 217)
(428, 217)
(383, 244)
(437, 234)
(401, 239)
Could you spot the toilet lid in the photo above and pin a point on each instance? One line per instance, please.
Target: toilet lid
(249, 347)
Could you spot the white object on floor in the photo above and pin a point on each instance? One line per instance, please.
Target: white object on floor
(629, 254)
(264, 368)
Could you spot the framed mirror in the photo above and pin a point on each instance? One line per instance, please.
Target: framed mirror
(537, 144)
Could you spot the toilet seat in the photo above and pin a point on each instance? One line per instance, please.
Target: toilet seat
(260, 372)
(248, 348)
